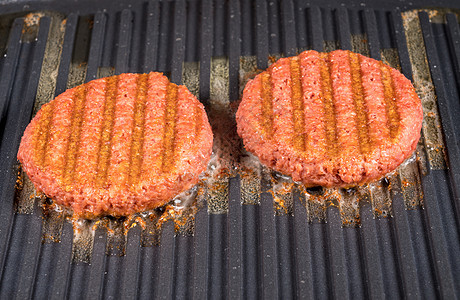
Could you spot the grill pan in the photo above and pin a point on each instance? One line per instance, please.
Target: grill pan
(405, 242)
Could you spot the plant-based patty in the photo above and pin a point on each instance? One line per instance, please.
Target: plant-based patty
(332, 119)
(117, 145)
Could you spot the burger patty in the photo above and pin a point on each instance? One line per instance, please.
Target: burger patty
(117, 145)
(332, 119)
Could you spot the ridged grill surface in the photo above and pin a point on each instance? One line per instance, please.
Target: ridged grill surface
(247, 251)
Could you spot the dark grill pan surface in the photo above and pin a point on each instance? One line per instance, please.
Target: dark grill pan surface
(396, 238)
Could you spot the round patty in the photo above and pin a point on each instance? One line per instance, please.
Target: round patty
(117, 145)
(332, 119)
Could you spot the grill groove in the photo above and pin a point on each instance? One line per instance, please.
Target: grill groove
(30, 63)
(433, 211)
(9, 66)
(383, 248)
(410, 267)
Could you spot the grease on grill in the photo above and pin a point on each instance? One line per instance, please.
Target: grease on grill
(25, 194)
(438, 15)
(250, 180)
(181, 210)
(380, 197)
(282, 192)
(105, 72)
(191, 77)
(431, 128)
(411, 185)
(316, 203)
(329, 46)
(53, 221)
(77, 70)
(31, 24)
(248, 70)
(409, 171)
(359, 44)
(51, 61)
(349, 200)
(390, 56)
(229, 158)
(116, 235)
(83, 238)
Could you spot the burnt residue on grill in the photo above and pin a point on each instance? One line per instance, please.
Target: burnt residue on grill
(423, 83)
(260, 249)
(229, 157)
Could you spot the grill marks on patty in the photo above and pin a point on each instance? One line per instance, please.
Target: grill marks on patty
(41, 135)
(79, 99)
(374, 97)
(155, 110)
(267, 104)
(105, 141)
(359, 103)
(345, 113)
(122, 132)
(137, 142)
(92, 126)
(297, 104)
(354, 101)
(169, 130)
(391, 107)
(330, 121)
(101, 142)
(186, 128)
(198, 121)
(53, 152)
(314, 112)
(283, 120)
